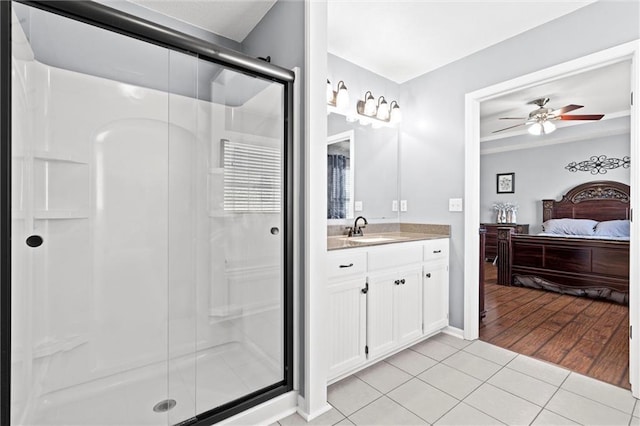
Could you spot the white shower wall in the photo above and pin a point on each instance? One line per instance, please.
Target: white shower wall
(140, 264)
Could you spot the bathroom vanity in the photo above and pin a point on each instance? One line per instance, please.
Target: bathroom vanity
(386, 291)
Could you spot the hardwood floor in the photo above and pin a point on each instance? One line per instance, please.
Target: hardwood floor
(584, 335)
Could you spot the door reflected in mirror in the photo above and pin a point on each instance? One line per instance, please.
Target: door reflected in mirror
(340, 171)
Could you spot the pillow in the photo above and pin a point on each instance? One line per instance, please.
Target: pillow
(613, 228)
(569, 226)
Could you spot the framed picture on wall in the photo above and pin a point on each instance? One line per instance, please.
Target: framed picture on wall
(505, 183)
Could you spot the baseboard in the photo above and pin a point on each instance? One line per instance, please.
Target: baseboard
(310, 416)
(454, 331)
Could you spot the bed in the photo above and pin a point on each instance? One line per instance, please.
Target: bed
(594, 265)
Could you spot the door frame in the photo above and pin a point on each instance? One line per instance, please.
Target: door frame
(625, 52)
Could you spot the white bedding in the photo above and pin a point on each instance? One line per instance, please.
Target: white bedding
(586, 237)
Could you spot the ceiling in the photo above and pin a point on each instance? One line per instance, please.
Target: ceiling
(601, 91)
(397, 39)
(233, 19)
(403, 39)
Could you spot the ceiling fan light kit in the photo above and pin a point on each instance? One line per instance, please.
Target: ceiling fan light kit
(541, 128)
(540, 121)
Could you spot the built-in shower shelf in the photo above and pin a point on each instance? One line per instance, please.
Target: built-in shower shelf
(55, 156)
(53, 346)
(245, 137)
(61, 214)
(224, 313)
(59, 156)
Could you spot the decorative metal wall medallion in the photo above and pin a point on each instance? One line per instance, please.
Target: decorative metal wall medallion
(599, 164)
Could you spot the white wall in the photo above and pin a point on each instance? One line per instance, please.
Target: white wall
(432, 134)
(540, 174)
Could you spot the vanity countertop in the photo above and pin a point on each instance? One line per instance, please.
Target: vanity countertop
(375, 239)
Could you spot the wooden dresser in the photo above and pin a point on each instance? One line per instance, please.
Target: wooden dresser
(491, 240)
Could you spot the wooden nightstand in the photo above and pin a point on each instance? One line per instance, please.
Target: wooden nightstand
(491, 240)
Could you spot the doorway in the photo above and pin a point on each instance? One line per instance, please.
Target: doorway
(626, 52)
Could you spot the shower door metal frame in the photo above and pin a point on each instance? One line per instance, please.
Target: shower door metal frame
(132, 26)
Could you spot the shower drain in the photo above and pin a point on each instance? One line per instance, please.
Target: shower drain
(164, 405)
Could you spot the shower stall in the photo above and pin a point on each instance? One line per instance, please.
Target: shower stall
(146, 223)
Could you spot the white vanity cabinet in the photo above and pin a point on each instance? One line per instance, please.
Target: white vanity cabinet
(347, 302)
(435, 285)
(394, 305)
(383, 298)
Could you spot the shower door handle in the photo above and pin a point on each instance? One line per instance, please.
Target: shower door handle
(34, 241)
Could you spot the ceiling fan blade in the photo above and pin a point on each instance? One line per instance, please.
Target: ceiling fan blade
(510, 127)
(581, 117)
(566, 109)
(512, 118)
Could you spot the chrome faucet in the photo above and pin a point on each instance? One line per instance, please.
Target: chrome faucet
(356, 231)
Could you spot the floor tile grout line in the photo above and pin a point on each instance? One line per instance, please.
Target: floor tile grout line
(595, 400)
(408, 372)
(490, 384)
(487, 359)
(544, 407)
(462, 402)
(536, 359)
(400, 404)
(409, 410)
(554, 394)
(444, 391)
(506, 391)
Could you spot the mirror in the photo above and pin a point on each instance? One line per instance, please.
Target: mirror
(372, 181)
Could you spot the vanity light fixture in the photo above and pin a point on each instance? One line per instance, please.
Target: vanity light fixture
(339, 98)
(382, 112)
(369, 104)
(395, 115)
(379, 114)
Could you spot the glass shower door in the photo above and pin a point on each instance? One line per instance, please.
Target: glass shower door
(226, 228)
(149, 231)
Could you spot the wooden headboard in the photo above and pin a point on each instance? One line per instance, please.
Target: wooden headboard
(598, 200)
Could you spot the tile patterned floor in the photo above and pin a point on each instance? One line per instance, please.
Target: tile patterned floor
(448, 381)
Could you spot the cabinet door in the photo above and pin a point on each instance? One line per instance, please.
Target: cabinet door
(347, 322)
(408, 305)
(380, 313)
(436, 296)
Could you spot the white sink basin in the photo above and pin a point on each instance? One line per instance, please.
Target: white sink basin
(371, 239)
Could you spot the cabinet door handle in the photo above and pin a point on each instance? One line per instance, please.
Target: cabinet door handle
(402, 281)
(397, 282)
(347, 266)
(437, 251)
(428, 275)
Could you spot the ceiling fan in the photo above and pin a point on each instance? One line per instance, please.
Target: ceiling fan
(541, 119)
